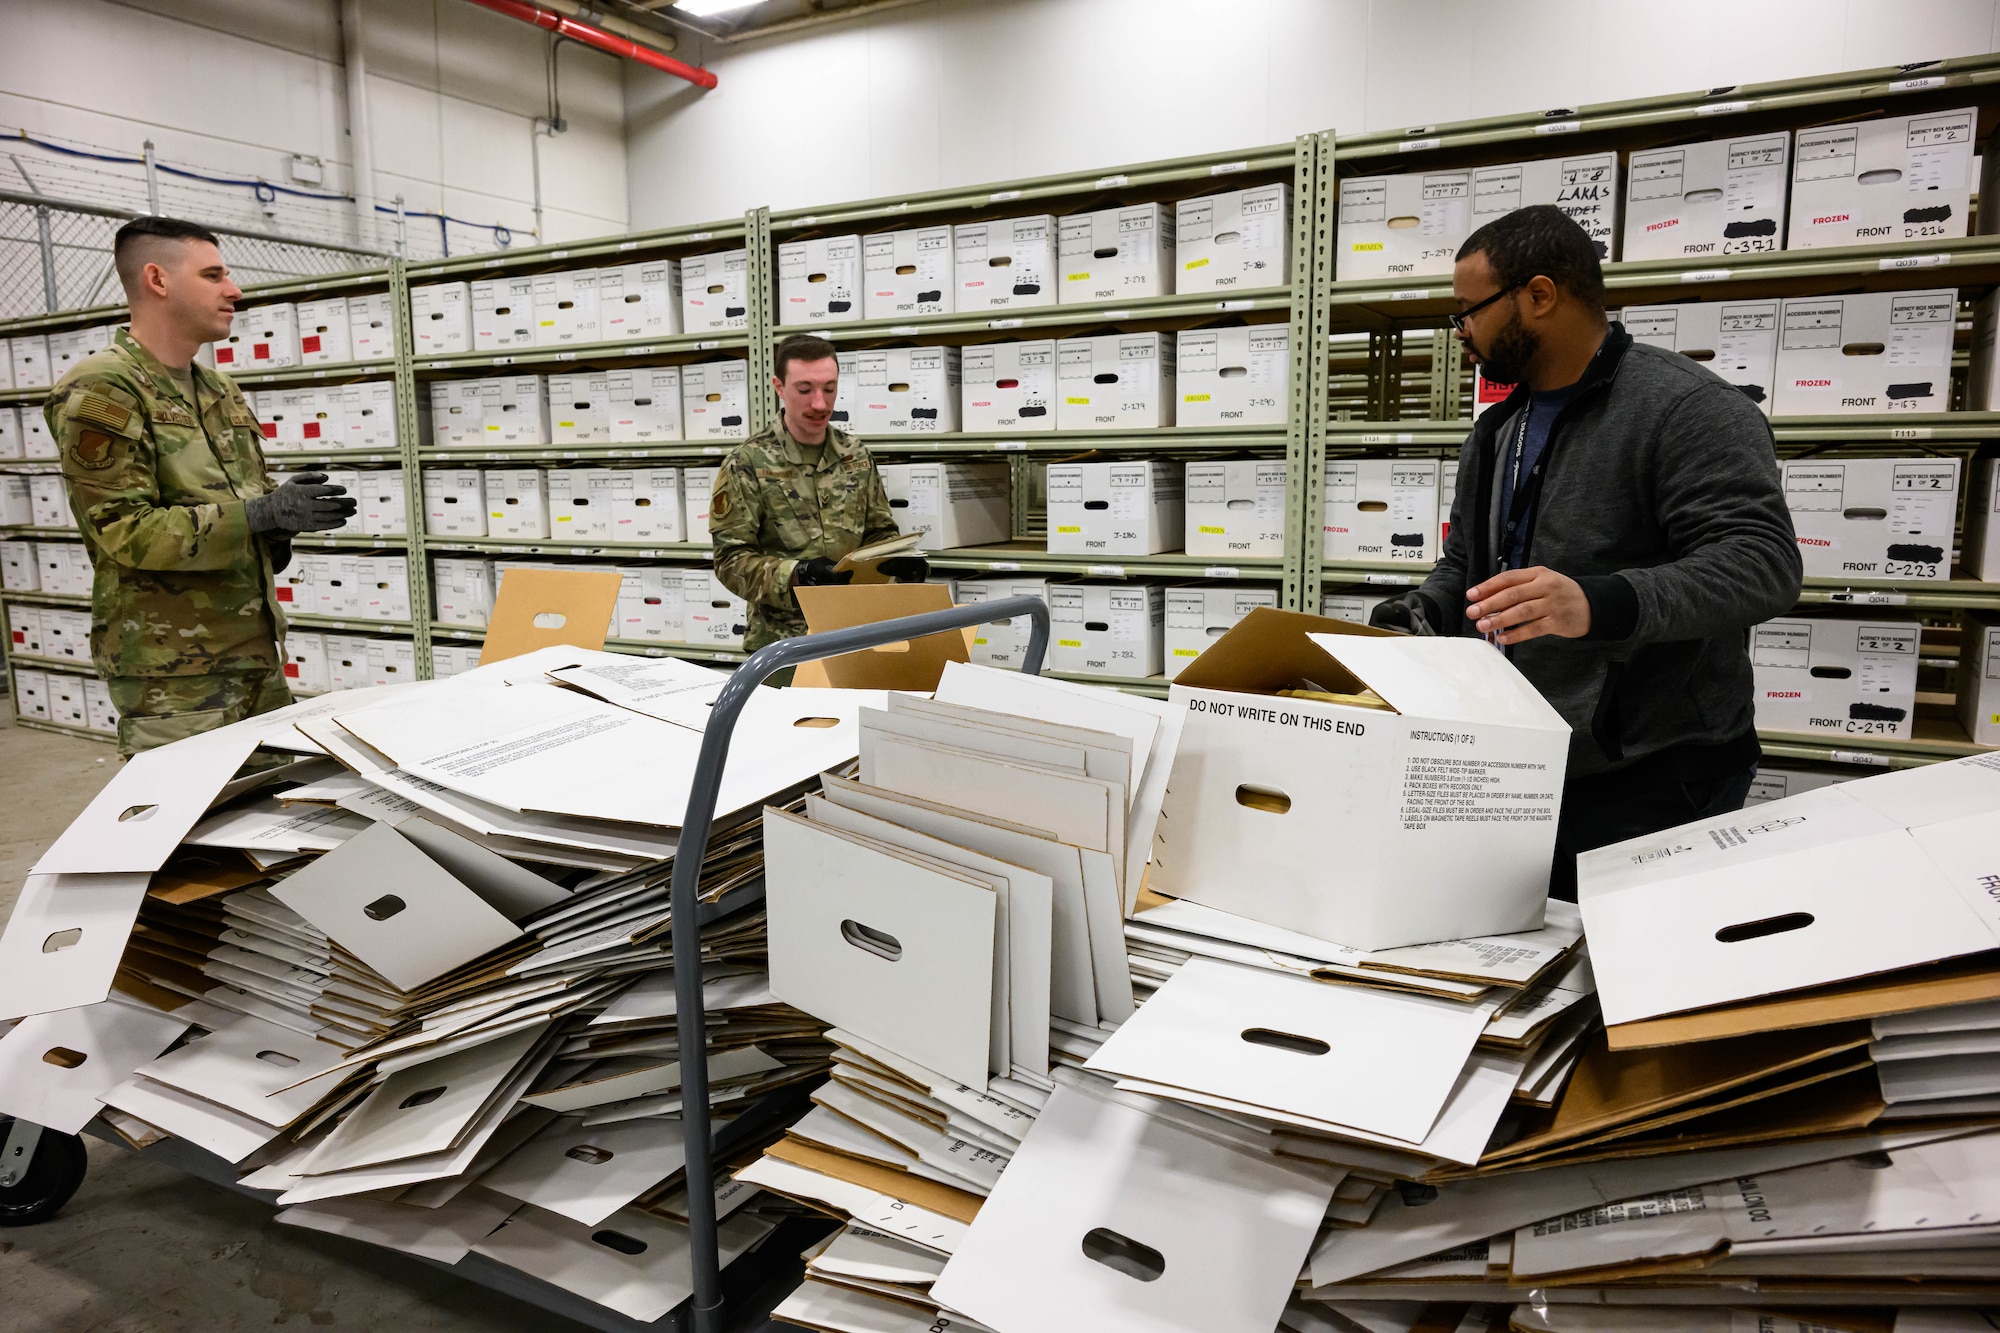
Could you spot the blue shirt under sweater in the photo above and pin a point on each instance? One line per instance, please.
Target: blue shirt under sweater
(1541, 411)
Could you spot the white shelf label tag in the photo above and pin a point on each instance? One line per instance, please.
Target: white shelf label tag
(1105, 571)
(1417, 145)
(1912, 261)
(1221, 572)
(1559, 127)
(1706, 275)
(1861, 757)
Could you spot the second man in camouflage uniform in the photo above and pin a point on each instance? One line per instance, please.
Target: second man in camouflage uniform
(794, 498)
(165, 469)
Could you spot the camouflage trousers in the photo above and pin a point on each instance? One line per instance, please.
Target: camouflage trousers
(156, 710)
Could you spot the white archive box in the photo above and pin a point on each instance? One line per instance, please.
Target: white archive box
(1980, 550)
(580, 408)
(282, 413)
(69, 349)
(7, 361)
(10, 433)
(1001, 643)
(714, 294)
(102, 716)
(646, 504)
(1233, 377)
(628, 613)
(441, 318)
(1866, 353)
(952, 504)
(1443, 804)
(1835, 676)
(36, 442)
(24, 628)
(665, 610)
(1009, 386)
(20, 570)
(454, 502)
(1353, 604)
(1196, 617)
(697, 487)
(66, 700)
(305, 661)
(1882, 518)
(1235, 509)
(637, 301)
(464, 590)
(714, 616)
(1115, 381)
(325, 337)
(28, 357)
(1381, 509)
(452, 659)
(261, 338)
(1774, 783)
(819, 281)
(458, 414)
(518, 413)
(1107, 629)
(385, 510)
(391, 661)
(517, 502)
(580, 504)
(1116, 254)
(297, 586)
(715, 401)
(31, 693)
(379, 585)
(1584, 187)
(899, 391)
(1129, 508)
(1899, 178)
(907, 273)
(371, 327)
(565, 307)
(1007, 262)
(503, 313)
(48, 501)
(346, 661)
(65, 568)
(17, 500)
(367, 414)
(66, 634)
(1238, 239)
(1723, 197)
(1412, 225)
(1738, 340)
(645, 404)
(1979, 679)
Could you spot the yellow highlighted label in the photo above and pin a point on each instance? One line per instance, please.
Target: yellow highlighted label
(1074, 402)
(1067, 528)
(1069, 643)
(1078, 277)
(1194, 397)
(1367, 245)
(1187, 652)
(979, 643)
(1207, 531)
(1196, 263)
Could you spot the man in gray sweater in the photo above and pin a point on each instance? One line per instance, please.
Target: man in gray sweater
(1618, 528)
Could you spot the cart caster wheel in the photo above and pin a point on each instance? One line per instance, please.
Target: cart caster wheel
(52, 1176)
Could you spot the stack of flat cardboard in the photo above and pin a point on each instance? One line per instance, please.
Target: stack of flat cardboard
(370, 951)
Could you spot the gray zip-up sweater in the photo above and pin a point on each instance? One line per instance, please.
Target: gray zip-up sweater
(1658, 492)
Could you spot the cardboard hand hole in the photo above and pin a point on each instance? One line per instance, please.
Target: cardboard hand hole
(714, 398)
(642, 503)
(1097, 626)
(905, 270)
(633, 298)
(818, 722)
(619, 1241)
(869, 940)
(62, 1057)
(1699, 354)
(1864, 514)
(278, 1058)
(1770, 925)
(550, 620)
(1268, 799)
(1228, 237)
(565, 305)
(1234, 372)
(715, 289)
(1285, 1041)
(1097, 504)
(424, 1098)
(1403, 223)
(815, 277)
(1000, 261)
(1373, 506)
(62, 939)
(1122, 1254)
(899, 388)
(1881, 176)
(137, 812)
(1006, 384)
(1876, 1161)
(1108, 377)
(588, 1155)
(1708, 196)
(1862, 349)
(1241, 504)
(1832, 672)
(1105, 252)
(384, 907)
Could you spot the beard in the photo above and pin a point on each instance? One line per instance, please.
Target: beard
(1506, 358)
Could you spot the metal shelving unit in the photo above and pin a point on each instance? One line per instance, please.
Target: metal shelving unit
(1384, 348)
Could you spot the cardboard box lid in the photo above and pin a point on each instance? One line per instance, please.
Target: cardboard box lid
(1270, 650)
(913, 664)
(539, 608)
(1440, 677)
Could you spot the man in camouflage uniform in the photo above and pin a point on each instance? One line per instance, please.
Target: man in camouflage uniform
(794, 498)
(166, 477)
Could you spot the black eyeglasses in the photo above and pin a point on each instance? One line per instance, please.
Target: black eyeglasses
(1458, 320)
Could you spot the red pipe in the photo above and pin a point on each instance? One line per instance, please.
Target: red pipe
(604, 41)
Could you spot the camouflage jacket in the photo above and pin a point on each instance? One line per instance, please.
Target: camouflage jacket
(776, 503)
(180, 587)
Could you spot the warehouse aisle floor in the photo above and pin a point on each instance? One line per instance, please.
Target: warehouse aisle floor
(143, 1248)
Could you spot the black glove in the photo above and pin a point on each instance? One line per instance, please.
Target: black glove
(906, 568)
(305, 503)
(819, 572)
(1405, 614)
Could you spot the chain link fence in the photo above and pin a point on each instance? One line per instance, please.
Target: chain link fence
(56, 255)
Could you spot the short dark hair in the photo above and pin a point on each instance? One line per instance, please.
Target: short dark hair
(132, 243)
(800, 347)
(1541, 241)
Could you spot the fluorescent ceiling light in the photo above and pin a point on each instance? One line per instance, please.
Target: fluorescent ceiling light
(702, 9)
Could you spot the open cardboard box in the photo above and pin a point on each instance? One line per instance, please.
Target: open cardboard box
(1431, 819)
(913, 664)
(540, 608)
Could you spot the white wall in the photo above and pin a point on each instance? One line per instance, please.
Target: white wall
(957, 92)
(235, 87)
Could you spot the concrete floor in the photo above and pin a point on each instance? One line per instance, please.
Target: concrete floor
(143, 1248)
